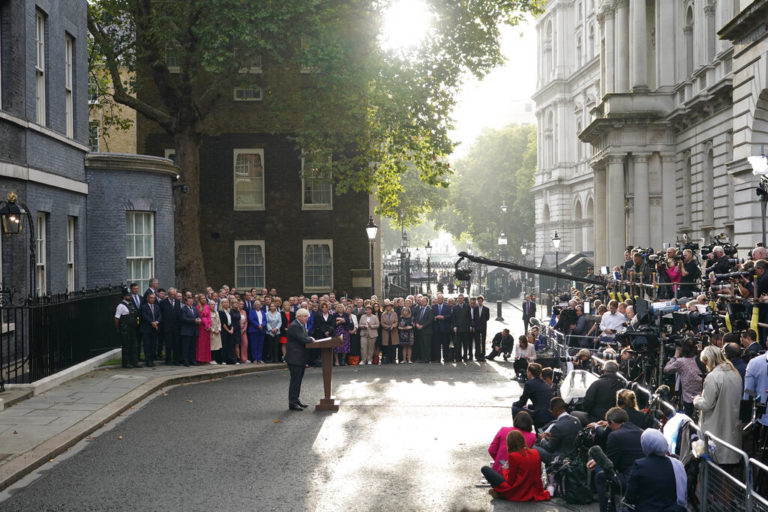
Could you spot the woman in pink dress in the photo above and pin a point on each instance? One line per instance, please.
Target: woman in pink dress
(203, 352)
(243, 332)
(498, 449)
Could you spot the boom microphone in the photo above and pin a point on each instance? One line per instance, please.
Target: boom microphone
(598, 455)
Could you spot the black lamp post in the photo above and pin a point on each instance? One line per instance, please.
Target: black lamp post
(523, 251)
(12, 213)
(371, 230)
(556, 243)
(428, 250)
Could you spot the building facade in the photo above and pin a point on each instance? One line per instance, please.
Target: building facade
(661, 124)
(43, 147)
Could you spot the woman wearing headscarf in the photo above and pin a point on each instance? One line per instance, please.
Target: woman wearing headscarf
(719, 403)
(657, 482)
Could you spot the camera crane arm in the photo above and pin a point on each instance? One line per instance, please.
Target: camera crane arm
(532, 270)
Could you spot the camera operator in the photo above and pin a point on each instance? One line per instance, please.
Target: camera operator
(601, 394)
(684, 364)
(718, 261)
(759, 253)
(668, 272)
(628, 263)
(641, 272)
(746, 287)
(580, 328)
(690, 273)
(623, 448)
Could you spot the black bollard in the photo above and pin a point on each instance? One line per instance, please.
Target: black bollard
(499, 318)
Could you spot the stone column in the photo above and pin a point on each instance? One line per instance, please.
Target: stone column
(614, 217)
(639, 56)
(621, 35)
(665, 47)
(609, 50)
(641, 203)
(599, 217)
(669, 197)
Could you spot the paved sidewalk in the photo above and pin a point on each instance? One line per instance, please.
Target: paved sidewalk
(37, 429)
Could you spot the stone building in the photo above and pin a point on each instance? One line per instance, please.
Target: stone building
(646, 118)
(43, 149)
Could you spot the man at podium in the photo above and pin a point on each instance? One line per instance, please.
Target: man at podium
(296, 357)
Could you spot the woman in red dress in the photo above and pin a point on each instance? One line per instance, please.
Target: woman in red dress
(521, 481)
(286, 316)
(203, 354)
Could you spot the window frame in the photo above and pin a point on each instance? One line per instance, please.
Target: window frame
(172, 53)
(315, 206)
(97, 137)
(71, 249)
(251, 243)
(170, 154)
(260, 91)
(305, 245)
(41, 254)
(69, 101)
(40, 71)
(254, 68)
(130, 277)
(248, 151)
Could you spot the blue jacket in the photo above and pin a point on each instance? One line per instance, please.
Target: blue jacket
(145, 325)
(188, 325)
(253, 322)
(539, 393)
(623, 446)
(442, 326)
(651, 485)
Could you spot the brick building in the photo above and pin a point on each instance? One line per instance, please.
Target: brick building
(43, 146)
(261, 223)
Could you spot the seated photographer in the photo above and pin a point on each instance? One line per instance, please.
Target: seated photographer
(559, 438)
(541, 340)
(656, 483)
(521, 481)
(537, 391)
(623, 448)
(501, 344)
(523, 353)
(684, 364)
(498, 448)
(583, 360)
(601, 394)
(612, 322)
(733, 353)
(548, 376)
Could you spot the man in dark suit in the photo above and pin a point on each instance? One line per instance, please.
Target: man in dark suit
(170, 308)
(152, 290)
(137, 302)
(190, 318)
(537, 391)
(461, 323)
(502, 343)
(150, 326)
(441, 328)
(296, 357)
(422, 322)
(560, 437)
(529, 311)
(601, 394)
(483, 314)
(622, 447)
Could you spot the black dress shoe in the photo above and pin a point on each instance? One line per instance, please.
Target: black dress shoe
(301, 404)
(295, 407)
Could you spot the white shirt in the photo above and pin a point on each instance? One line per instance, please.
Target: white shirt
(528, 352)
(614, 322)
(122, 309)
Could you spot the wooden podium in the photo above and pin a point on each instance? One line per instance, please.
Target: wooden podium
(326, 349)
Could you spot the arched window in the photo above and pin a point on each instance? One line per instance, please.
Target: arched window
(688, 32)
(686, 198)
(548, 44)
(578, 50)
(591, 47)
(578, 231)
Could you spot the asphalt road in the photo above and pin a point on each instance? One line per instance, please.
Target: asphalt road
(407, 437)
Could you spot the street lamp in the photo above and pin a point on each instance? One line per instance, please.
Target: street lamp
(523, 251)
(556, 243)
(428, 249)
(503, 207)
(502, 244)
(12, 213)
(371, 230)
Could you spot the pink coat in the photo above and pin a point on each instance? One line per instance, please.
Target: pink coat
(498, 448)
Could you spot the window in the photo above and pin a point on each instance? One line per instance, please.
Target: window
(93, 136)
(41, 254)
(578, 50)
(40, 69)
(318, 265)
(68, 97)
(248, 93)
(249, 179)
(251, 66)
(249, 264)
(71, 285)
(93, 92)
(140, 247)
(316, 186)
(170, 154)
(172, 59)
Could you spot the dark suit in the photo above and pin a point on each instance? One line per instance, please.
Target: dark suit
(623, 448)
(601, 396)
(562, 439)
(505, 345)
(147, 293)
(188, 332)
(539, 393)
(461, 322)
(422, 342)
(170, 327)
(149, 313)
(482, 315)
(652, 472)
(529, 311)
(441, 330)
(227, 339)
(321, 328)
(296, 357)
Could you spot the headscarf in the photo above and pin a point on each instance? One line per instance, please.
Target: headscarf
(653, 442)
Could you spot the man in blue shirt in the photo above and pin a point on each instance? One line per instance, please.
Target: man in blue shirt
(756, 381)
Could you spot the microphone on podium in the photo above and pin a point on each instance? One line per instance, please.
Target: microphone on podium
(598, 455)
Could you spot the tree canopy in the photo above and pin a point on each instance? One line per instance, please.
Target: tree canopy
(377, 113)
(498, 169)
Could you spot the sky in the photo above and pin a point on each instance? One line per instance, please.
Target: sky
(500, 98)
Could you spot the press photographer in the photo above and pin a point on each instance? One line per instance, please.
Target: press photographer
(690, 274)
(746, 288)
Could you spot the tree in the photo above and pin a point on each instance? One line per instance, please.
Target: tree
(499, 169)
(375, 112)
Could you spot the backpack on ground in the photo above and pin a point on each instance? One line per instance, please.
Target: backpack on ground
(571, 481)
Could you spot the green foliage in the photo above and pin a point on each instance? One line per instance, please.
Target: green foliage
(499, 168)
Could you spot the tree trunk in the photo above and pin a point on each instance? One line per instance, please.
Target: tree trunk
(190, 271)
